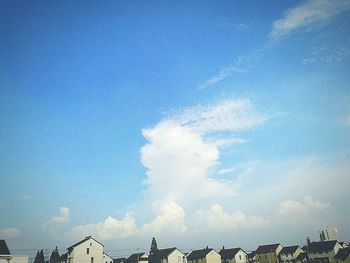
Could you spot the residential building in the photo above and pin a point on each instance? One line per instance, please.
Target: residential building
(5, 254)
(233, 255)
(206, 255)
(107, 258)
(329, 234)
(268, 253)
(137, 257)
(171, 255)
(292, 254)
(323, 251)
(87, 250)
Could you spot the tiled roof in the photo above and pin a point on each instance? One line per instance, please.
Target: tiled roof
(163, 253)
(321, 246)
(267, 248)
(4, 250)
(135, 258)
(229, 253)
(82, 241)
(289, 250)
(198, 254)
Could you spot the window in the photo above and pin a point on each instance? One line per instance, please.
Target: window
(90, 244)
(87, 250)
(240, 257)
(92, 260)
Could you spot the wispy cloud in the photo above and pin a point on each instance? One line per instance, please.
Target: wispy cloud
(309, 13)
(10, 232)
(326, 54)
(224, 73)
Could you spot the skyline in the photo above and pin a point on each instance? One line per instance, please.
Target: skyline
(175, 120)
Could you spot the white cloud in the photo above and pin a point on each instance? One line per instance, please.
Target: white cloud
(63, 218)
(180, 161)
(290, 206)
(110, 228)
(217, 219)
(11, 232)
(309, 13)
(171, 220)
(326, 54)
(227, 115)
(223, 74)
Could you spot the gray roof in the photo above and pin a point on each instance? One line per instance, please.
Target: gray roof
(4, 250)
(321, 246)
(263, 249)
(289, 250)
(82, 241)
(198, 254)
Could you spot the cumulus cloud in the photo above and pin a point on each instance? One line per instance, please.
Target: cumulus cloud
(63, 218)
(217, 219)
(178, 157)
(10, 232)
(110, 228)
(171, 220)
(289, 206)
(309, 13)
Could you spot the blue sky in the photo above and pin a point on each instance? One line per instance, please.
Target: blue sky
(199, 123)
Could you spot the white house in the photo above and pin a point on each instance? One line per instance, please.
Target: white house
(233, 255)
(87, 250)
(292, 254)
(137, 257)
(206, 255)
(5, 254)
(107, 258)
(323, 251)
(171, 255)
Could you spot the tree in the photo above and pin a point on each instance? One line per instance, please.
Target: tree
(36, 260)
(41, 257)
(55, 256)
(154, 256)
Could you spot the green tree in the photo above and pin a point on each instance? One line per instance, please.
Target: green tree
(55, 256)
(154, 256)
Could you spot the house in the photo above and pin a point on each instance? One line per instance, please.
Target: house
(292, 254)
(5, 254)
(233, 255)
(137, 257)
(171, 255)
(323, 251)
(268, 253)
(252, 257)
(343, 255)
(107, 258)
(206, 255)
(88, 250)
